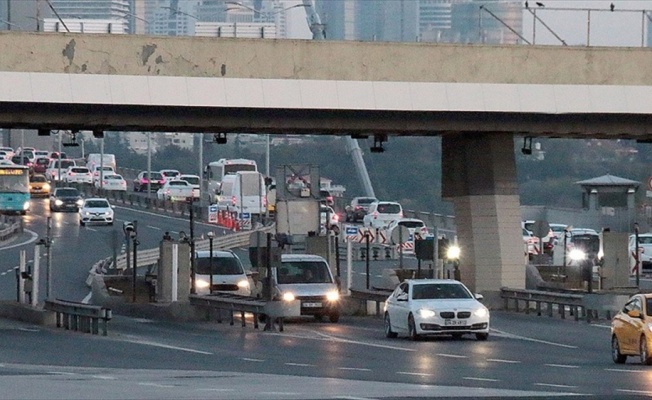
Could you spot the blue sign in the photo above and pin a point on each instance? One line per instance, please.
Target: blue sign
(245, 215)
(212, 209)
(351, 230)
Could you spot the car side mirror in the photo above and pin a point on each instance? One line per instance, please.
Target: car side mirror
(479, 297)
(634, 313)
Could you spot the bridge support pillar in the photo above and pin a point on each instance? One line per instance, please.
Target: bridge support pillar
(479, 177)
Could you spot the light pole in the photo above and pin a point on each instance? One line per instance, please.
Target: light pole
(210, 259)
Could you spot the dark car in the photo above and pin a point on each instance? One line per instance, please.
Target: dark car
(65, 199)
(358, 208)
(41, 164)
(22, 160)
(140, 183)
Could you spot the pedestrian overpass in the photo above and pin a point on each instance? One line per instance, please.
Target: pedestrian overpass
(477, 98)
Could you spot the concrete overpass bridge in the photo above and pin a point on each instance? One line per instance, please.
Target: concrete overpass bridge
(476, 97)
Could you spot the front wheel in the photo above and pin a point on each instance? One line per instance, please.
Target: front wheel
(646, 359)
(412, 328)
(616, 355)
(389, 333)
(482, 336)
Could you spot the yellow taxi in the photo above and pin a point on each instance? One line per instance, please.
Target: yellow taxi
(39, 186)
(631, 330)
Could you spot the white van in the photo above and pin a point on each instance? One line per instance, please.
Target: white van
(248, 194)
(308, 278)
(93, 159)
(223, 194)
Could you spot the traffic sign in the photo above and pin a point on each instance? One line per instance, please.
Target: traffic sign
(540, 228)
(400, 234)
(364, 232)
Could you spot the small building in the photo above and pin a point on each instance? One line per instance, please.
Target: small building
(608, 193)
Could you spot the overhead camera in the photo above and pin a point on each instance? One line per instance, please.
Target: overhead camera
(129, 228)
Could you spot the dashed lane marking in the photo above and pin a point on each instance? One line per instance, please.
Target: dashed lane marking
(252, 359)
(354, 369)
(561, 366)
(450, 355)
(647, 393)
(413, 373)
(556, 385)
(471, 378)
(498, 360)
(300, 365)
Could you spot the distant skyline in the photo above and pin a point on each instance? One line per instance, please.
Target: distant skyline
(620, 28)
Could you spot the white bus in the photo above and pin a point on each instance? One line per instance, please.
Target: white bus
(216, 170)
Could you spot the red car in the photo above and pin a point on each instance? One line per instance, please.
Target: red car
(41, 164)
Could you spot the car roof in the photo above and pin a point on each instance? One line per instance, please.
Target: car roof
(426, 281)
(216, 253)
(95, 198)
(302, 257)
(397, 221)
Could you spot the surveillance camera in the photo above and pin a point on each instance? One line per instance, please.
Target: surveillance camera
(129, 228)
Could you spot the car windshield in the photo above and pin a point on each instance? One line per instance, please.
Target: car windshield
(411, 224)
(432, 291)
(221, 266)
(38, 178)
(155, 176)
(366, 200)
(303, 272)
(388, 208)
(178, 183)
(170, 173)
(113, 177)
(97, 204)
(645, 240)
(79, 170)
(193, 180)
(67, 192)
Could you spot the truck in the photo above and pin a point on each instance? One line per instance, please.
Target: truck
(216, 170)
(177, 191)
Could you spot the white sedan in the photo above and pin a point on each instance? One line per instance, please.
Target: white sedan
(435, 307)
(78, 175)
(112, 182)
(96, 211)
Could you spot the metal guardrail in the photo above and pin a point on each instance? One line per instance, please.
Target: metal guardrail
(376, 295)
(11, 230)
(540, 297)
(80, 317)
(151, 256)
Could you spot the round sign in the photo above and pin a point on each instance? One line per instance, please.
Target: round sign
(400, 234)
(540, 229)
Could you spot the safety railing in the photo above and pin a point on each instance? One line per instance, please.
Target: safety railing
(11, 230)
(375, 295)
(80, 317)
(540, 298)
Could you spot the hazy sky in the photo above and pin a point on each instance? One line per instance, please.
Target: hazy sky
(618, 28)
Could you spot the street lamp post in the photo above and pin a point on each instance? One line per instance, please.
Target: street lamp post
(192, 248)
(210, 260)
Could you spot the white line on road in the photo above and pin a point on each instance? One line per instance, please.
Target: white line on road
(413, 373)
(354, 369)
(470, 378)
(352, 398)
(253, 359)
(105, 377)
(634, 391)
(555, 385)
(450, 355)
(214, 390)
(155, 385)
(503, 361)
(33, 238)
(281, 393)
(326, 337)
(300, 365)
(86, 299)
(512, 336)
(561, 366)
(165, 346)
(154, 227)
(636, 371)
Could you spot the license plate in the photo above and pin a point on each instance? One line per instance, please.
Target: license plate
(454, 322)
(311, 305)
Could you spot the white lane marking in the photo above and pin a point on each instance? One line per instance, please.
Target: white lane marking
(29, 329)
(326, 337)
(33, 238)
(498, 360)
(556, 385)
(214, 390)
(61, 373)
(91, 229)
(413, 373)
(561, 366)
(352, 398)
(165, 346)
(253, 359)
(634, 391)
(300, 365)
(636, 371)
(105, 377)
(354, 369)
(380, 276)
(155, 385)
(282, 393)
(154, 227)
(471, 378)
(450, 355)
(512, 336)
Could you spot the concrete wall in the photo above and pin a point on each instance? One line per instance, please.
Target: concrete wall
(305, 59)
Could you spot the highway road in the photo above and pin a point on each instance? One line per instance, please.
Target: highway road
(525, 356)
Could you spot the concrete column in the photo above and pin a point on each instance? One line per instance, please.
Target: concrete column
(164, 280)
(479, 177)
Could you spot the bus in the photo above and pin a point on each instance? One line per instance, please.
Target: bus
(14, 189)
(216, 170)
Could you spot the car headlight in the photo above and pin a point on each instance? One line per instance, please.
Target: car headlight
(576, 255)
(333, 296)
(243, 284)
(424, 313)
(201, 284)
(649, 326)
(58, 202)
(26, 205)
(46, 186)
(481, 312)
(80, 202)
(288, 296)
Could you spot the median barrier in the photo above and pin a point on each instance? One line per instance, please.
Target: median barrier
(79, 316)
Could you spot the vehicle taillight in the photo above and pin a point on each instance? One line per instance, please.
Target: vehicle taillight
(143, 180)
(233, 200)
(264, 201)
(336, 217)
(375, 214)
